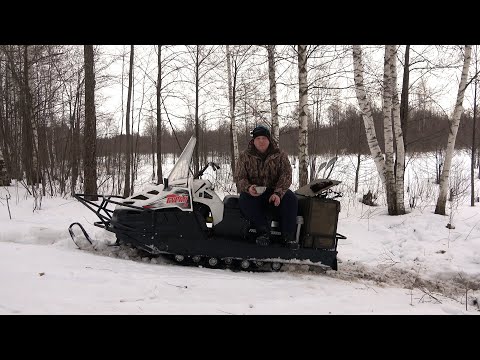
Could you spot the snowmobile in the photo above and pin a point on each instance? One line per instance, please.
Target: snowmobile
(185, 219)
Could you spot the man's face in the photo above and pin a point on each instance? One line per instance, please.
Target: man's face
(261, 143)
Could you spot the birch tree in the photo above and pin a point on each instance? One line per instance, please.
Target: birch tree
(275, 131)
(387, 129)
(404, 96)
(366, 110)
(30, 140)
(74, 121)
(90, 134)
(302, 116)
(474, 130)
(126, 190)
(391, 177)
(231, 101)
(159, 116)
(399, 208)
(454, 123)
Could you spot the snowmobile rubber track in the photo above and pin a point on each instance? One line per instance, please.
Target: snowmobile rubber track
(234, 264)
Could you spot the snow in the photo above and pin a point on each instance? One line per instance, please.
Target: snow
(410, 264)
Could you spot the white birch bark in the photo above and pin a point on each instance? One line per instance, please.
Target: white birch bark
(453, 127)
(273, 93)
(397, 125)
(302, 116)
(365, 108)
(387, 128)
(232, 109)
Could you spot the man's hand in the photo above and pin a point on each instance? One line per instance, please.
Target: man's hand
(252, 190)
(275, 199)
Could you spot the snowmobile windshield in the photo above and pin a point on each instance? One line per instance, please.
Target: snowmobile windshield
(180, 170)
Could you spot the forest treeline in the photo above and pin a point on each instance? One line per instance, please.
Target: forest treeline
(427, 131)
(57, 130)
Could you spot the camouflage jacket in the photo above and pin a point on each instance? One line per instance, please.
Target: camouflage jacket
(273, 171)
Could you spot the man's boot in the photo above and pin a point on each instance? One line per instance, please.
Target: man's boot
(290, 241)
(263, 238)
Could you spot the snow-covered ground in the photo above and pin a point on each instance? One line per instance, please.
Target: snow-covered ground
(410, 264)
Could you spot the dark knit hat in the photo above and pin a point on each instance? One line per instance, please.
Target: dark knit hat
(260, 130)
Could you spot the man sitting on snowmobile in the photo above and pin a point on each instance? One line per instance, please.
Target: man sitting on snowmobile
(263, 164)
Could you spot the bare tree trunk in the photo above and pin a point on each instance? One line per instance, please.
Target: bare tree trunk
(75, 134)
(367, 112)
(51, 169)
(153, 144)
(159, 118)
(357, 172)
(400, 145)
(73, 152)
(474, 130)
(136, 156)
(27, 131)
(4, 173)
(62, 171)
(3, 126)
(273, 93)
(359, 150)
(387, 128)
(438, 164)
(119, 190)
(15, 110)
(302, 116)
(132, 154)
(90, 132)
(453, 126)
(196, 158)
(128, 155)
(404, 96)
(42, 142)
(231, 101)
(313, 158)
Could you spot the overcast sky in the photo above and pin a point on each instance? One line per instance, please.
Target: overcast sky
(443, 84)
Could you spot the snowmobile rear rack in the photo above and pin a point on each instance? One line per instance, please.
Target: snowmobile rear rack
(103, 213)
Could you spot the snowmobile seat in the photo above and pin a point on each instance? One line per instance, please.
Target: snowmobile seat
(231, 201)
(233, 225)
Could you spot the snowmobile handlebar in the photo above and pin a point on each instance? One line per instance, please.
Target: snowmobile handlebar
(214, 166)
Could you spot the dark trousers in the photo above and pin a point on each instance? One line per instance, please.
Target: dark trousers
(256, 208)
